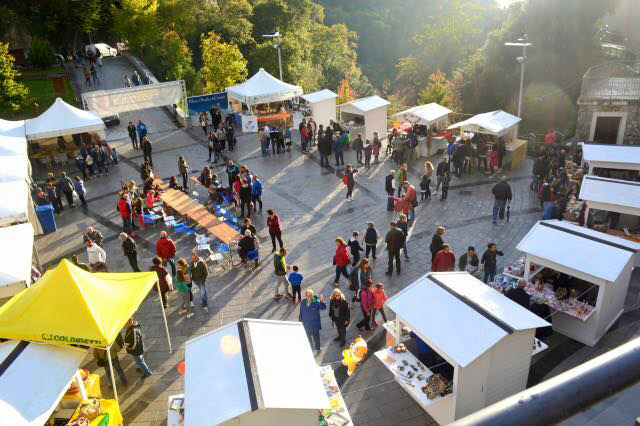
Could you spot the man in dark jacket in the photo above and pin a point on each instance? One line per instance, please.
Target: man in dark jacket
(134, 346)
(520, 295)
(133, 135)
(490, 262)
(146, 150)
(199, 274)
(394, 240)
(370, 240)
(458, 158)
(130, 250)
(388, 188)
(67, 187)
(502, 193)
(469, 261)
(358, 145)
(94, 235)
(443, 166)
(324, 147)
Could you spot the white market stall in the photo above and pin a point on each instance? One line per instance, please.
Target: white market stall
(613, 195)
(597, 266)
(263, 97)
(430, 116)
(498, 124)
(20, 209)
(321, 106)
(485, 338)
(12, 138)
(620, 157)
(15, 264)
(252, 372)
(365, 116)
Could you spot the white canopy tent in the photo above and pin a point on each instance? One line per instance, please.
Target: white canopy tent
(252, 372)
(35, 381)
(15, 167)
(589, 255)
(484, 336)
(12, 138)
(372, 110)
(323, 106)
(425, 115)
(496, 123)
(612, 195)
(263, 88)
(15, 264)
(62, 119)
(16, 211)
(626, 157)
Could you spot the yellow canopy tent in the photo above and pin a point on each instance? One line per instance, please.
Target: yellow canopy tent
(69, 305)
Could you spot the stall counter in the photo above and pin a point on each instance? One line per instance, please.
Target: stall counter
(109, 411)
(516, 152)
(338, 415)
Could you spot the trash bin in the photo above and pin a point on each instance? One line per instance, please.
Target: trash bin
(47, 218)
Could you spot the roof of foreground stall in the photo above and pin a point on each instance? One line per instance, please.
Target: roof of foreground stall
(62, 119)
(495, 123)
(611, 193)
(426, 115)
(579, 249)
(363, 105)
(319, 96)
(460, 315)
(263, 88)
(612, 156)
(250, 365)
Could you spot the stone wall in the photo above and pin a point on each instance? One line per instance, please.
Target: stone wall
(585, 116)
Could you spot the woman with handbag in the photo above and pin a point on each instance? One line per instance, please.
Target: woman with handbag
(359, 276)
(164, 279)
(366, 305)
(339, 314)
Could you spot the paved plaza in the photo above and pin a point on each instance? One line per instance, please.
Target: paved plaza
(310, 201)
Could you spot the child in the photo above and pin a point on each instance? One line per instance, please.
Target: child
(446, 178)
(379, 298)
(181, 283)
(295, 279)
(425, 190)
(355, 247)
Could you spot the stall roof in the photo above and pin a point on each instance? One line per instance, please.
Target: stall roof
(63, 119)
(34, 383)
(319, 96)
(476, 314)
(14, 167)
(617, 155)
(15, 264)
(424, 114)
(362, 105)
(12, 138)
(614, 192)
(250, 365)
(263, 88)
(495, 123)
(16, 211)
(575, 247)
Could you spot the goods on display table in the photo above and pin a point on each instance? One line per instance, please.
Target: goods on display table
(338, 414)
(573, 209)
(96, 412)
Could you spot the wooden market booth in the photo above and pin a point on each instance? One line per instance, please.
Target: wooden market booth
(262, 100)
(321, 106)
(498, 124)
(597, 266)
(612, 161)
(427, 117)
(365, 116)
(486, 339)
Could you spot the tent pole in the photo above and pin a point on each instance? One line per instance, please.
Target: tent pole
(35, 254)
(164, 316)
(83, 390)
(113, 379)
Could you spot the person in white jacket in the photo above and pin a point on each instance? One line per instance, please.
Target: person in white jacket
(95, 253)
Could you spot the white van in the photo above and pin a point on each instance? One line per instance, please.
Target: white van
(104, 49)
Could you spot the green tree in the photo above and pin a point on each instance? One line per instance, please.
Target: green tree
(223, 64)
(442, 91)
(137, 22)
(41, 54)
(12, 93)
(173, 59)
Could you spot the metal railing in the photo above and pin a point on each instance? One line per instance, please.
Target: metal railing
(612, 81)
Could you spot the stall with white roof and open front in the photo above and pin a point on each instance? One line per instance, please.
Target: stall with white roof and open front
(251, 372)
(583, 275)
(321, 107)
(483, 340)
(365, 116)
(621, 157)
(430, 116)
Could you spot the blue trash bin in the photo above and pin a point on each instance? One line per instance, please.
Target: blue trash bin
(47, 218)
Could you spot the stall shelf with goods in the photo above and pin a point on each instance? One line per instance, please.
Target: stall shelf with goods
(253, 372)
(262, 100)
(15, 264)
(596, 266)
(483, 339)
(426, 118)
(321, 106)
(365, 116)
(611, 158)
(498, 124)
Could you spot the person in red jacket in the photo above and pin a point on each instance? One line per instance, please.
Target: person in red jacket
(124, 208)
(166, 250)
(341, 259)
(273, 222)
(493, 159)
(444, 261)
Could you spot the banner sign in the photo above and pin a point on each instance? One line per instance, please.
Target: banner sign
(204, 103)
(109, 102)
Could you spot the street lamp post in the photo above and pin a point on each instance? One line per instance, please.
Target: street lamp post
(276, 44)
(522, 60)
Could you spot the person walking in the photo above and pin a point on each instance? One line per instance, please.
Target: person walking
(401, 177)
(358, 146)
(341, 260)
(199, 274)
(469, 262)
(164, 279)
(135, 346)
(355, 248)
(389, 182)
(246, 196)
(183, 170)
(127, 81)
(182, 284)
(210, 144)
(135, 78)
(377, 146)
(133, 135)
(325, 145)
(370, 240)
(273, 223)
(436, 242)
(166, 250)
(502, 195)
(443, 166)
(358, 277)
(394, 240)
(295, 279)
(445, 260)
(203, 122)
(280, 270)
(95, 254)
(256, 193)
(368, 150)
(147, 150)
(338, 149)
(67, 186)
(403, 225)
(102, 360)
(93, 235)
(130, 251)
(379, 299)
(87, 76)
(366, 305)
(232, 171)
(425, 182)
(349, 180)
(340, 315)
(490, 262)
(446, 179)
(310, 317)
(124, 208)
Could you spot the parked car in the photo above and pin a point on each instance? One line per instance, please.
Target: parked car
(104, 49)
(111, 120)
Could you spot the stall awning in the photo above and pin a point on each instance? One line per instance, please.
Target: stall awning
(496, 123)
(15, 263)
(12, 138)
(14, 167)
(15, 211)
(612, 156)
(35, 381)
(96, 306)
(263, 88)
(250, 365)
(62, 119)
(426, 115)
(362, 105)
(611, 194)
(577, 248)
(322, 95)
(441, 305)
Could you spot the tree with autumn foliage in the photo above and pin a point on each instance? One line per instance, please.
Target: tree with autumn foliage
(442, 91)
(222, 64)
(345, 92)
